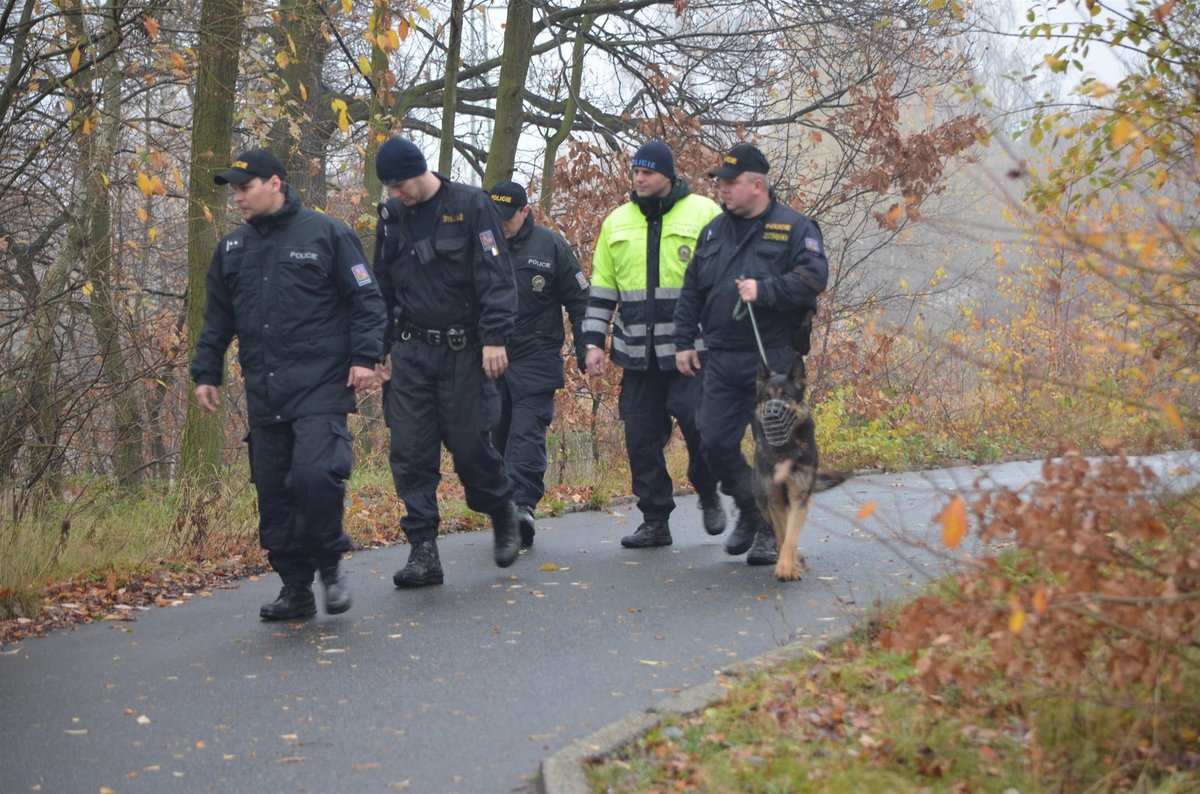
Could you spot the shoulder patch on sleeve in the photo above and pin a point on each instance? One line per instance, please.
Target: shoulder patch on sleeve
(488, 241)
(812, 244)
(582, 279)
(361, 274)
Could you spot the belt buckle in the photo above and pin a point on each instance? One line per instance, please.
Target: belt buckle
(434, 337)
(456, 338)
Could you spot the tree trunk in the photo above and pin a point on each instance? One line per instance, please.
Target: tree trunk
(568, 118)
(510, 92)
(302, 143)
(450, 95)
(24, 383)
(212, 134)
(96, 151)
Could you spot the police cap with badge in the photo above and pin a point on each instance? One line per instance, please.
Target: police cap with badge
(740, 159)
(508, 198)
(250, 164)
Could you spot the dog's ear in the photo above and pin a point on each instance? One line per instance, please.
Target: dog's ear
(764, 373)
(799, 374)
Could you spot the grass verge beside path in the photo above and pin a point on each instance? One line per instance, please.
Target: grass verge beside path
(1068, 663)
(103, 555)
(856, 718)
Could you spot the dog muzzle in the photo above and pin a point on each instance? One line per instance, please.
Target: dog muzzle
(778, 419)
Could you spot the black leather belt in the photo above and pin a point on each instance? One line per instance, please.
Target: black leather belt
(454, 338)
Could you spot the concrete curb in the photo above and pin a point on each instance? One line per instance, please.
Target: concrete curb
(563, 772)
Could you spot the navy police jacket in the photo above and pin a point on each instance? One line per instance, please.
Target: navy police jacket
(782, 250)
(294, 287)
(459, 277)
(548, 279)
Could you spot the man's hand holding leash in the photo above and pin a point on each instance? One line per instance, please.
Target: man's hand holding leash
(747, 289)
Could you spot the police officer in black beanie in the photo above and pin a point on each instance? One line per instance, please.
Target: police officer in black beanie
(637, 270)
(548, 280)
(447, 280)
(294, 286)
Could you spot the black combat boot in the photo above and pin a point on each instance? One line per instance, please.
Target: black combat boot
(506, 536)
(649, 534)
(763, 551)
(424, 566)
(525, 525)
(337, 591)
(294, 601)
(748, 521)
(714, 513)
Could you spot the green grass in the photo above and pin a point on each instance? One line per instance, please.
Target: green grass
(98, 530)
(854, 719)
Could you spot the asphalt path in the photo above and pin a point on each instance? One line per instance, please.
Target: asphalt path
(463, 687)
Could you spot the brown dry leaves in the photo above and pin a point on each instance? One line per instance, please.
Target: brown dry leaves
(1098, 573)
(108, 596)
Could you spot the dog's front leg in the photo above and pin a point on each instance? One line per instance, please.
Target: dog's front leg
(788, 568)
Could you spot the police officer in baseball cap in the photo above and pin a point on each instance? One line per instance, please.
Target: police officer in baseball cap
(548, 280)
(293, 285)
(762, 252)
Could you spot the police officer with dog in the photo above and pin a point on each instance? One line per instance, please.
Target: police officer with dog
(637, 271)
(758, 256)
(446, 277)
(548, 280)
(293, 285)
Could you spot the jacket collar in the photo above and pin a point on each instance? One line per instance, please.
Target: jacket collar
(657, 207)
(280, 217)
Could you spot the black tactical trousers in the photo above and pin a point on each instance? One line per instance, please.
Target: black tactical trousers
(727, 403)
(441, 396)
(646, 404)
(299, 469)
(521, 438)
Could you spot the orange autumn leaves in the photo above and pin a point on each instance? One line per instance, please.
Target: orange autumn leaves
(953, 519)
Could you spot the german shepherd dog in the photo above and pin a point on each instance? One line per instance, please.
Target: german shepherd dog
(785, 461)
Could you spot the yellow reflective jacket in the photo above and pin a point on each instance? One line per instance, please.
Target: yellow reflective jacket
(639, 281)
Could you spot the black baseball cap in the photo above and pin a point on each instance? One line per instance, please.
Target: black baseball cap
(249, 164)
(508, 197)
(740, 159)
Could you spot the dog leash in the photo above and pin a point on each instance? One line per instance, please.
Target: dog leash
(776, 417)
(740, 310)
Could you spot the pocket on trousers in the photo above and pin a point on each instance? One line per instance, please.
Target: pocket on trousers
(489, 406)
(341, 452)
(248, 441)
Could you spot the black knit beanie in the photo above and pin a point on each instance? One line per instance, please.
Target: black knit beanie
(656, 156)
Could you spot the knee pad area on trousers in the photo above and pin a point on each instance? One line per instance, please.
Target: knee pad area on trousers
(306, 478)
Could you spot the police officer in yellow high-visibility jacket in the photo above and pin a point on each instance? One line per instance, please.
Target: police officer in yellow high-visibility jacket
(637, 272)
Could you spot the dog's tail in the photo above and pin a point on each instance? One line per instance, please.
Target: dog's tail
(830, 479)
